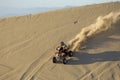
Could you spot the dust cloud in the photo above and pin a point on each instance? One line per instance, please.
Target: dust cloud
(102, 24)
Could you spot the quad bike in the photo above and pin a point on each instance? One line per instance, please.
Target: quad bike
(61, 57)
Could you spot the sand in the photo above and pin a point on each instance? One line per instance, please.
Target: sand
(27, 44)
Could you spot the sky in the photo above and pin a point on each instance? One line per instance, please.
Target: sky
(24, 7)
(48, 3)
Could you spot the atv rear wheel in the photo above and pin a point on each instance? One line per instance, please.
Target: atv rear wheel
(70, 53)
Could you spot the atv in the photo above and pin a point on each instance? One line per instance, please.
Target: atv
(61, 56)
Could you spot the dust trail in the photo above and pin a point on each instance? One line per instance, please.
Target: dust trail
(102, 24)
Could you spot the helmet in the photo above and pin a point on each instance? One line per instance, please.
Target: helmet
(62, 43)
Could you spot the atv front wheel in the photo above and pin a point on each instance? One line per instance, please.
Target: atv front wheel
(54, 60)
(64, 61)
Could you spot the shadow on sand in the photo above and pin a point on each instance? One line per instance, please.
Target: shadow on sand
(96, 42)
(85, 58)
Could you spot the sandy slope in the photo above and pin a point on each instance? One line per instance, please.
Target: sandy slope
(27, 44)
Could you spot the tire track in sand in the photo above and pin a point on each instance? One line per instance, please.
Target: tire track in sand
(101, 67)
(106, 69)
(35, 66)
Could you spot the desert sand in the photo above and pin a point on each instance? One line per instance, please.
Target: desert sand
(27, 44)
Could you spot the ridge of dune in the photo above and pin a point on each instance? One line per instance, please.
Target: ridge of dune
(27, 44)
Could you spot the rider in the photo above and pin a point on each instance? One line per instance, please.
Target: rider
(61, 47)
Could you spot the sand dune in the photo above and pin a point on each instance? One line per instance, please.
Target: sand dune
(28, 42)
